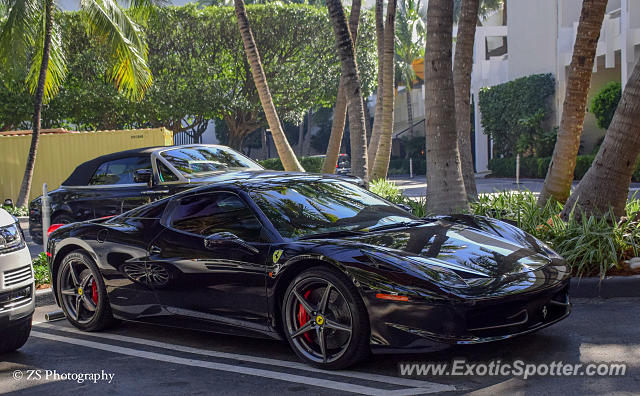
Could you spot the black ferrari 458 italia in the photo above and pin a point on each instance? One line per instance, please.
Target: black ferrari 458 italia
(332, 268)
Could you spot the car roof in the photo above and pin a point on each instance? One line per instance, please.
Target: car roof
(83, 172)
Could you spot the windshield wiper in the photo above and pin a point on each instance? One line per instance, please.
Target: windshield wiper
(394, 225)
(331, 234)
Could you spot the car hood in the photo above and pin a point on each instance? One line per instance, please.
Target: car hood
(469, 252)
(5, 218)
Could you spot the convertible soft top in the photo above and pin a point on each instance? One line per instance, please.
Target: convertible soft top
(83, 172)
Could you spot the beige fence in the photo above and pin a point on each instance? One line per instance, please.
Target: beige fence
(60, 153)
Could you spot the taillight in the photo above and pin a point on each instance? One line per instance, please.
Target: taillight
(53, 227)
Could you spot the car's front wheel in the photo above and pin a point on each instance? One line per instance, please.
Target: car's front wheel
(82, 293)
(15, 336)
(324, 319)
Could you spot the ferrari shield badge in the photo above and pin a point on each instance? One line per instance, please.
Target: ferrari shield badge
(276, 256)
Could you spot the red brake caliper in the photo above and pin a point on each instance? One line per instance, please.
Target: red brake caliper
(303, 317)
(94, 291)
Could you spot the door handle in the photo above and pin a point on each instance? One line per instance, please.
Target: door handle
(155, 250)
(155, 192)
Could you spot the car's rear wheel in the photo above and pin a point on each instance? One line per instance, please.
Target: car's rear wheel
(15, 336)
(82, 293)
(324, 319)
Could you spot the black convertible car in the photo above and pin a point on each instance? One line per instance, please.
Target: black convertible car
(115, 183)
(323, 263)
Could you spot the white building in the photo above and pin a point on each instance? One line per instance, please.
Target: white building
(540, 36)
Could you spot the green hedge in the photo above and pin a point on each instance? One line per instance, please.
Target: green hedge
(509, 108)
(310, 164)
(400, 166)
(536, 168)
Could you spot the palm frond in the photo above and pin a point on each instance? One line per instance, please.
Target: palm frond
(57, 67)
(124, 38)
(19, 34)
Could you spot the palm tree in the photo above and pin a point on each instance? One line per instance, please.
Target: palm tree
(30, 40)
(409, 47)
(340, 108)
(376, 130)
(462, 67)
(606, 183)
(557, 184)
(352, 89)
(383, 153)
(445, 186)
(287, 156)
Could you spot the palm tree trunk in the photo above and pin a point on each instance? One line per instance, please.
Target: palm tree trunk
(557, 184)
(352, 89)
(306, 144)
(376, 130)
(445, 185)
(409, 109)
(462, 67)
(25, 188)
(383, 154)
(606, 183)
(340, 109)
(287, 156)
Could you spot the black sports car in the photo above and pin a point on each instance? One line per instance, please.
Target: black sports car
(118, 182)
(323, 263)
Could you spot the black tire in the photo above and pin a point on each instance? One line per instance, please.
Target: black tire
(80, 314)
(342, 323)
(15, 336)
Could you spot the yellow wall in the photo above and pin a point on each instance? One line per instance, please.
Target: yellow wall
(59, 154)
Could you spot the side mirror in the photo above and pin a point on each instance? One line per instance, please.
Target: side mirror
(8, 202)
(221, 239)
(143, 176)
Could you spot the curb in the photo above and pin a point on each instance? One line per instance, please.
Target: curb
(609, 287)
(44, 297)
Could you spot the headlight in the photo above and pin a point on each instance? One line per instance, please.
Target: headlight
(11, 238)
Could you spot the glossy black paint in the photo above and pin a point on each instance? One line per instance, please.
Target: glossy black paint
(512, 284)
(76, 200)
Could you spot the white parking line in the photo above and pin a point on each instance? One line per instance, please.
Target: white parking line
(298, 379)
(425, 386)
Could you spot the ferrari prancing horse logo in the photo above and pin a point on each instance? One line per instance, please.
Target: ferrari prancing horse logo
(276, 256)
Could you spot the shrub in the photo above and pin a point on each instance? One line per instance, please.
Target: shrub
(310, 164)
(604, 104)
(536, 168)
(591, 246)
(510, 107)
(41, 270)
(387, 190)
(17, 210)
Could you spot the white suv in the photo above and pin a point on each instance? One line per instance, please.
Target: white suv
(17, 288)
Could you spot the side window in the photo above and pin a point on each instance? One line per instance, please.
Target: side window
(206, 214)
(120, 171)
(165, 173)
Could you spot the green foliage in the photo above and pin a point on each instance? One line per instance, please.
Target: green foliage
(604, 104)
(310, 164)
(41, 269)
(17, 210)
(591, 246)
(200, 71)
(387, 190)
(508, 109)
(536, 168)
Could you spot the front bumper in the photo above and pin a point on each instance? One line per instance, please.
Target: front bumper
(17, 288)
(423, 326)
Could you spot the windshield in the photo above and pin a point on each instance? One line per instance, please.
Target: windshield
(301, 208)
(198, 161)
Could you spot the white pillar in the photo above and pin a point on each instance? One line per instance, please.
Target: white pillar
(626, 54)
(481, 140)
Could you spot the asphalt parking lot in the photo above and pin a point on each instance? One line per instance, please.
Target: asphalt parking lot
(143, 359)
